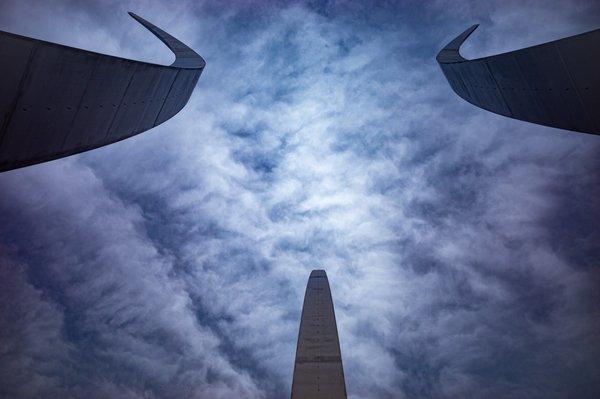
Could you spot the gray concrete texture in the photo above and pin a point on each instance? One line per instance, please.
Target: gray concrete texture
(318, 370)
(553, 84)
(57, 100)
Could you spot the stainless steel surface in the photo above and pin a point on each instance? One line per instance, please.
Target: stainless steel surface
(57, 100)
(318, 370)
(553, 84)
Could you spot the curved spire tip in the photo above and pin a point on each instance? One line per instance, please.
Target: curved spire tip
(451, 52)
(185, 57)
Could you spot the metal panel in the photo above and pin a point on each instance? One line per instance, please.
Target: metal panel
(58, 100)
(161, 90)
(553, 84)
(318, 371)
(177, 97)
(47, 103)
(516, 90)
(100, 103)
(132, 106)
(584, 72)
(19, 55)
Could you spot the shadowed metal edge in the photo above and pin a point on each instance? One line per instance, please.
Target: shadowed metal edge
(58, 100)
(553, 84)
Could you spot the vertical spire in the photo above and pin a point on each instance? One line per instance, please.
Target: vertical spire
(318, 370)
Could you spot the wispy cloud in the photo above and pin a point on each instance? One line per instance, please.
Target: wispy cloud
(461, 246)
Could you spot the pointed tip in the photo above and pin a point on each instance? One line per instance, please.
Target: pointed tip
(185, 57)
(460, 39)
(451, 52)
(471, 29)
(141, 20)
(138, 19)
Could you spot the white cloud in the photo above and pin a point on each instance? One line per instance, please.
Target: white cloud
(181, 255)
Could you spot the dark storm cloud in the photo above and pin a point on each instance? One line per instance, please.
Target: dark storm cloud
(461, 246)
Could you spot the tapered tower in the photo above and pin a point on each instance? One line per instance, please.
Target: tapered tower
(318, 370)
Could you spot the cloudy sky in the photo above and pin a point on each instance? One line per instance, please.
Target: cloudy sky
(462, 247)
